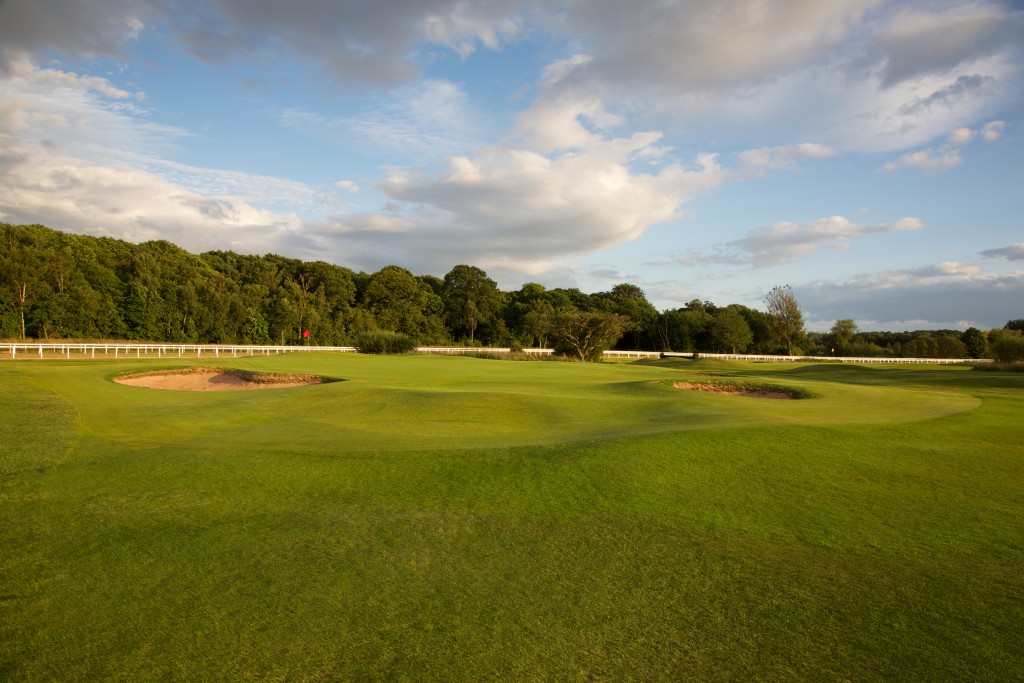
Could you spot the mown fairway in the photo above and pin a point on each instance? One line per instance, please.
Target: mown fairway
(439, 518)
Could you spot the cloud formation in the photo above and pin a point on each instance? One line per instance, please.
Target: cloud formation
(948, 295)
(427, 119)
(785, 242)
(947, 156)
(587, 162)
(756, 162)
(519, 210)
(919, 42)
(76, 157)
(1014, 252)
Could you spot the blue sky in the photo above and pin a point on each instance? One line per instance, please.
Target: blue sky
(867, 153)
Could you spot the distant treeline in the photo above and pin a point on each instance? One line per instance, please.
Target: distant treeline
(60, 285)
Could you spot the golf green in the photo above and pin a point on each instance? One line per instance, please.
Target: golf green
(446, 518)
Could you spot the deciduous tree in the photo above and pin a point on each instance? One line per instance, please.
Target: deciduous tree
(470, 299)
(787, 320)
(730, 331)
(586, 334)
(975, 342)
(841, 335)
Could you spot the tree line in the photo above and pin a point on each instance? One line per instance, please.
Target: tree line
(60, 285)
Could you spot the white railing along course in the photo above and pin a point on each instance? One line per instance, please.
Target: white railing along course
(167, 350)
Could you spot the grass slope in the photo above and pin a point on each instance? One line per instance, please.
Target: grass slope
(457, 519)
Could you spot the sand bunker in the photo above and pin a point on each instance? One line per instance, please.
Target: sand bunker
(735, 390)
(215, 379)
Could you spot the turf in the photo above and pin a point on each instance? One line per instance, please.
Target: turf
(435, 518)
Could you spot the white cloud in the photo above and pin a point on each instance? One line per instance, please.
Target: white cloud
(993, 130)
(785, 242)
(927, 160)
(864, 74)
(961, 136)
(847, 74)
(74, 160)
(758, 161)
(124, 202)
(518, 210)
(947, 156)
(466, 25)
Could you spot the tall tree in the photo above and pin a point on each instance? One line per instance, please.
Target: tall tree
(23, 267)
(841, 335)
(629, 300)
(470, 299)
(401, 303)
(975, 342)
(730, 331)
(787, 320)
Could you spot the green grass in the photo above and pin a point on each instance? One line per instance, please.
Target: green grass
(437, 518)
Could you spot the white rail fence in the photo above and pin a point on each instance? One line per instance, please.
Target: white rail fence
(101, 350)
(153, 350)
(831, 359)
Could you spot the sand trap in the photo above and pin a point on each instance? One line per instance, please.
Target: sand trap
(215, 379)
(732, 390)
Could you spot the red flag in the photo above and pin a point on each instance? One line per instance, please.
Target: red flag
(305, 334)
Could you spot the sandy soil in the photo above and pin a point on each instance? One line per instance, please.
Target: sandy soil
(719, 389)
(211, 380)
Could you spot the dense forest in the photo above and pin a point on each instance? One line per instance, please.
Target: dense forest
(60, 285)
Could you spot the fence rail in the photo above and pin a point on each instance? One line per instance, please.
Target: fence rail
(833, 359)
(153, 350)
(157, 350)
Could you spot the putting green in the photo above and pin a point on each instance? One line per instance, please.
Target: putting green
(427, 402)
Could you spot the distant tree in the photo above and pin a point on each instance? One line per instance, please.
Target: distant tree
(586, 334)
(470, 299)
(435, 283)
(841, 335)
(22, 268)
(950, 346)
(629, 300)
(730, 330)
(255, 330)
(759, 323)
(1017, 324)
(688, 328)
(401, 303)
(975, 342)
(1009, 349)
(787, 320)
(537, 323)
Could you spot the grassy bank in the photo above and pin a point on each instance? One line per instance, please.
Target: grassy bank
(462, 519)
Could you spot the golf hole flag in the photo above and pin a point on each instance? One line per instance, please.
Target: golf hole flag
(305, 334)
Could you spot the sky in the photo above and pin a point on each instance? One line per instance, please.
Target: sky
(865, 152)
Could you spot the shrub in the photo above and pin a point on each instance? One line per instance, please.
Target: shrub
(383, 341)
(1009, 350)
